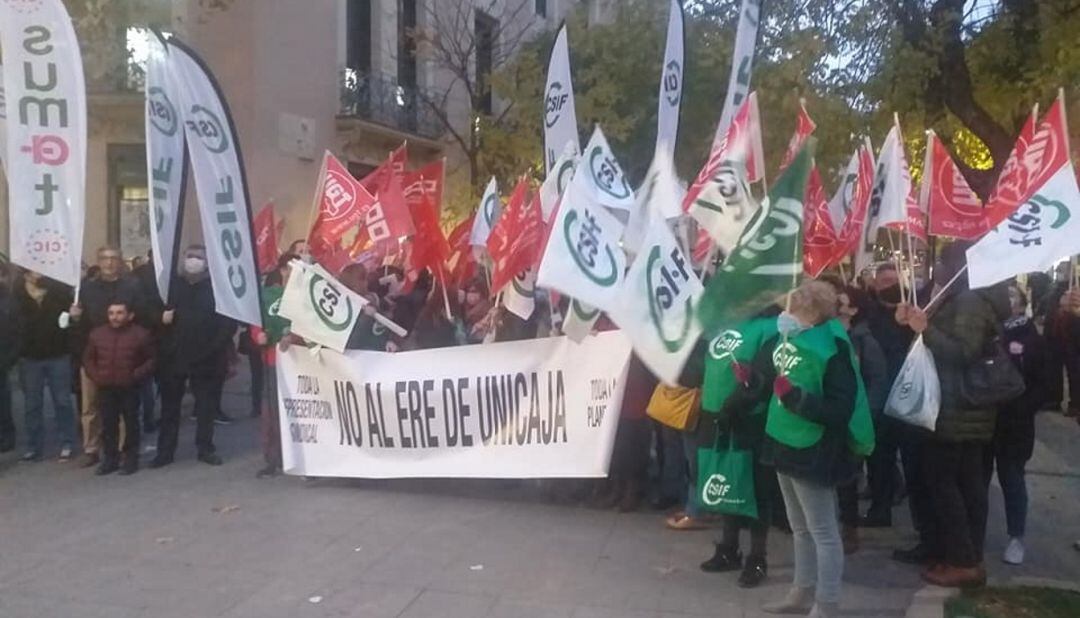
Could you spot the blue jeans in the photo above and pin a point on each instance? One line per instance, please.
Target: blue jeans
(819, 554)
(1010, 472)
(35, 375)
(147, 398)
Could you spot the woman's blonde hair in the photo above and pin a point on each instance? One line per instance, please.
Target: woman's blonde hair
(815, 296)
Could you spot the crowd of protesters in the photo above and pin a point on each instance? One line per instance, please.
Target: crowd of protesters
(819, 439)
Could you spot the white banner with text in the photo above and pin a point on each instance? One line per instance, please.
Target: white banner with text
(543, 408)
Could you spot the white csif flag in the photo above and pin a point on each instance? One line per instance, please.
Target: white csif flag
(45, 156)
(3, 120)
(558, 179)
(486, 215)
(165, 163)
(600, 179)
(221, 185)
(1045, 227)
(660, 194)
(889, 197)
(671, 83)
(322, 310)
(725, 205)
(655, 304)
(560, 117)
(742, 62)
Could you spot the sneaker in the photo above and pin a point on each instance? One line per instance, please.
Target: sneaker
(212, 459)
(31, 456)
(222, 419)
(754, 572)
(108, 466)
(1014, 552)
(89, 460)
(725, 559)
(65, 454)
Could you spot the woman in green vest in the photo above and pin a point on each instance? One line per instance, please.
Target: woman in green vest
(817, 430)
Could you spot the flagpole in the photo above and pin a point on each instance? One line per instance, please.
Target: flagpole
(315, 201)
(446, 298)
(907, 219)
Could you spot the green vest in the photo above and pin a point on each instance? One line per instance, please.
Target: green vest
(741, 344)
(276, 327)
(803, 360)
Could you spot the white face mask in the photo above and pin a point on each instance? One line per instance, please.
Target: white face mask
(789, 325)
(194, 265)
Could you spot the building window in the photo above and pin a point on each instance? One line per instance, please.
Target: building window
(407, 43)
(358, 36)
(128, 199)
(541, 8)
(486, 28)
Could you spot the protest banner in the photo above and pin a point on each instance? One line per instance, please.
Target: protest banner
(541, 408)
(45, 159)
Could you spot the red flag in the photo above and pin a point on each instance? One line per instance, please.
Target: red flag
(703, 244)
(461, 264)
(516, 237)
(388, 220)
(804, 128)
(429, 246)
(427, 180)
(1033, 161)
(853, 201)
(343, 202)
(743, 143)
(377, 180)
(819, 235)
(266, 247)
(955, 210)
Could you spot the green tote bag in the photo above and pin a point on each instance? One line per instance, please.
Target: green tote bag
(725, 482)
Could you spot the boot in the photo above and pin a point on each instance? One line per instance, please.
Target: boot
(849, 535)
(825, 610)
(754, 572)
(948, 576)
(799, 601)
(725, 559)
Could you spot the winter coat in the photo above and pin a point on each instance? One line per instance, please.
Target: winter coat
(1014, 435)
(872, 366)
(199, 340)
(42, 338)
(119, 357)
(892, 338)
(95, 297)
(960, 332)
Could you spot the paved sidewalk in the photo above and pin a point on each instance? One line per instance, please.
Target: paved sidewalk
(194, 541)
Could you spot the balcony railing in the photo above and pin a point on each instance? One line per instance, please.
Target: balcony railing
(380, 99)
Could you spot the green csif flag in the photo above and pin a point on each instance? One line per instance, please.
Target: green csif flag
(764, 265)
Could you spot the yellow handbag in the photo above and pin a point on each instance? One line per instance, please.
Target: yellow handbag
(675, 406)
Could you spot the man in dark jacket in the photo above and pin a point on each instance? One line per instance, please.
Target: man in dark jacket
(194, 350)
(153, 307)
(89, 312)
(118, 357)
(962, 327)
(9, 354)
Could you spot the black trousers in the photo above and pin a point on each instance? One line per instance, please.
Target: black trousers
(114, 403)
(207, 391)
(913, 441)
(848, 495)
(759, 533)
(1059, 362)
(258, 381)
(881, 465)
(955, 471)
(7, 423)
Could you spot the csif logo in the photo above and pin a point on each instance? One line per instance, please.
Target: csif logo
(606, 174)
(334, 310)
(1025, 225)
(564, 174)
(490, 206)
(161, 112)
(208, 127)
(715, 490)
(673, 82)
(786, 358)
(666, 278)
(587, 248)
(554, 101)
(725, 344)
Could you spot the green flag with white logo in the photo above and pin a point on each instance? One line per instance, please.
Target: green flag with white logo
(768, 260)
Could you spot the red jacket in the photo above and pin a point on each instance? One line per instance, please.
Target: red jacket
(119, 356)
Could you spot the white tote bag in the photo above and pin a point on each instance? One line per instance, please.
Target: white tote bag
(915, 397)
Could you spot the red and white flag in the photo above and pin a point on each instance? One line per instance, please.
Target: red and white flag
(851, 202)
(266, 246)
(742, 143)
(426, 181)
(343, 202)
(1045, 227)
(804, 128)
(1023, 171)
(819, 235)
(516, 237)
(394, 164)
(461, 264)
(429, 246)
(955, 211)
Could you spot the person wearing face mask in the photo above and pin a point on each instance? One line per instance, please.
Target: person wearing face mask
(817, 430)
(958, 330)
(194, 351)
(476, 307)
(90, 311)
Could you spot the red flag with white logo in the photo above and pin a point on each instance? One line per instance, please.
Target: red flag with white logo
(342, 203)
(852, 201)
(266, 247)
(955, 211)
(395, 164)
(426, 181)
(516, 237)
(819, 235)
(742, 143)
(429, 246)
(1039, 153)
(804, 128)
(461, 264)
